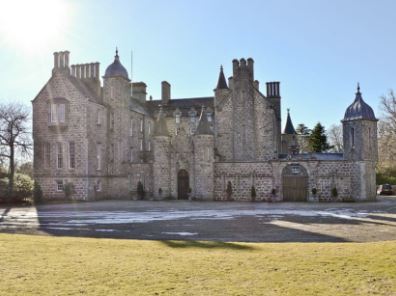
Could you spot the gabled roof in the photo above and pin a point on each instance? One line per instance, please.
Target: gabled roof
(289, 128)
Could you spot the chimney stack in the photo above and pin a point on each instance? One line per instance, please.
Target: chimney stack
(139, 91)
(61, 61)
(165, 92)
(273, 90)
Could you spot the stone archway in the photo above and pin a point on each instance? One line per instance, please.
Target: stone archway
(183, 184)
(295, 183)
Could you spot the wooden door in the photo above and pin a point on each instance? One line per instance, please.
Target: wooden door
(183, 184)
(295, 183)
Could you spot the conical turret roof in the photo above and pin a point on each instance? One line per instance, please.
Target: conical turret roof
(222, 83)
(289, 128)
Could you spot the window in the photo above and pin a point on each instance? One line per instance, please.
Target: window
(149, 146)
(98, 157)
(141, 144)
(98, 186)
(177, 118)
(112, 152)
(59, 156)
(99, 117)
(59, 185)
(131, 154)
(149, 128)
(353, 137)
(72, 155)
(47, 154)
(57, 113)
(111, 120)
(131, 128)
(141, 125)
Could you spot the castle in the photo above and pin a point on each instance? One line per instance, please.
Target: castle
(111, 141)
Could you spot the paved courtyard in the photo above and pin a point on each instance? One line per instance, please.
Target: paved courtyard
(220, 221)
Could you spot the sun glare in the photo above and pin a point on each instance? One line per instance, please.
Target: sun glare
(31, 25)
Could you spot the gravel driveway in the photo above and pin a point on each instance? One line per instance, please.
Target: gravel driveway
(219, 221)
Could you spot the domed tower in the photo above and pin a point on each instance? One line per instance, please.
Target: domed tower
(116, 96)
(360, 146)
(116, 84)
(360, 131)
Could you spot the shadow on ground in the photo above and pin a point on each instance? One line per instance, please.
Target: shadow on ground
(206, 245)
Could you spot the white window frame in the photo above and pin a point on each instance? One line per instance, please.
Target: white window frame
(141, 125)
(141, 144)
(59, 185)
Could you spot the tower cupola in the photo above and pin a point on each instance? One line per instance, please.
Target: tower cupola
(116, 69)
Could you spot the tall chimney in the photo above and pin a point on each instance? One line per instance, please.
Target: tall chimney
(273, 90)
(165, 92)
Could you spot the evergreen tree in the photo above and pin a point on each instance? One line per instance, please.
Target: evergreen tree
(318, 139)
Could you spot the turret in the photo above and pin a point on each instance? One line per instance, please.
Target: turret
(360, 131)
(161, 165)
(203, 158)
(289, 137)
(359, 128)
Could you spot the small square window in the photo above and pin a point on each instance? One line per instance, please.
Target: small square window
(59, 185)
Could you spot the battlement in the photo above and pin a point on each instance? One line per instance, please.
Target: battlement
(243, 68)
(86, 71)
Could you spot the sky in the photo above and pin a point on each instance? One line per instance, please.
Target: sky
(317, 49)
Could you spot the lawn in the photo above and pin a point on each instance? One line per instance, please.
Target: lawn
(44, 265)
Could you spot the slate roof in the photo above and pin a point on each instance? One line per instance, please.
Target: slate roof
(204, 125)
(184, 105)
(289, 128)
(359, 109)
(160, 127)
(116, 69)
(222, 83)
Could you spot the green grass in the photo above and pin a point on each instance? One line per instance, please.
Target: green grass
(44, 265)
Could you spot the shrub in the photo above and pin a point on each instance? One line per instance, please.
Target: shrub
(140, 190)
(334, 192)
(23, 186)
(37, 193)
(68, 189)
(253, 193)
(229, 190)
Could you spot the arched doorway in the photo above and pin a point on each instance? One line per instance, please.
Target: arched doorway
(183, 184)
(295, 183)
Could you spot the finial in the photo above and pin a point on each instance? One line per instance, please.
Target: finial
(221, 68)
(288, 110)
(358, 87)
(116, 51)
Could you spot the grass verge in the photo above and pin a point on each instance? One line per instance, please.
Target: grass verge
(44, 265)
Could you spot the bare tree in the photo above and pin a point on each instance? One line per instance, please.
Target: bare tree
(15, 136)
(387, 132)
(335, 137)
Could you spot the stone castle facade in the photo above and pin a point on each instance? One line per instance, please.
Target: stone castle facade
(110, 141)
